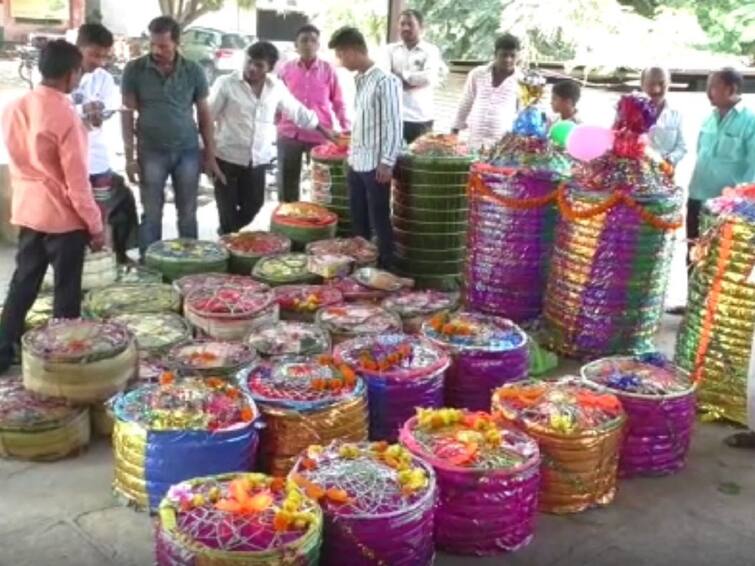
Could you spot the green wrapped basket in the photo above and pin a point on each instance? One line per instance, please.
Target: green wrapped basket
(437, 203)
(176, 258)
(304, 222)
(430, 227)
(429, 240)
(432, 268)
(133, 274)
(425, 254)
(131, 299)
(284, 269)
(246, 249)
(454, 215)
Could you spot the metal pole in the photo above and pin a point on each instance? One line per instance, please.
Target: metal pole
(395, 7)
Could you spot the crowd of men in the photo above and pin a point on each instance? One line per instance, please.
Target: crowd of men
(66, 196)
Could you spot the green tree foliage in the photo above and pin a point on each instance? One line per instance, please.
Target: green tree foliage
(187, 11)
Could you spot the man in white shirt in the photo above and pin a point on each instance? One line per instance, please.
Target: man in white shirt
(419, 66)
(666, 135)
(97, 98)
(244, 106)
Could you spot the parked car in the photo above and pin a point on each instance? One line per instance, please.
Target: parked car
(218, 52)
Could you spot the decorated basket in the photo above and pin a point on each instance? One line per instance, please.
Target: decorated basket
(41, 312)
(290, 338)
(715, 342)
(304, 222)
(80, 360)
(329, 186)
(414, 307)
(156, 333)
(189, 283)
(211, 358)
(364, 252)
(168, 433)
(238, 519)
(401, 372)
(135, 274)
(176, 258)
(301, 302)
(305, 400)
(352, 320)
(100, 270)
(355, 292)
(330, 265)
(579, 431)
(487, 352)
(246, 248)
(284, 269)
(378, 501)
(229, 313)
(36, 427)
(488, 480)
(131, 299)
(659, 400)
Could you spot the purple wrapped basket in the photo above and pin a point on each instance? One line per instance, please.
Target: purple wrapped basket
(488, 480)
(402, 373)
(486, 352)
(659, 399)
(374, 513)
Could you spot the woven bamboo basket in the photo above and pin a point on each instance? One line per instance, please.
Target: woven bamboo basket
(156, 333)
(210, 358)
(329, 186)
(352, 320)
(207, 521)
(290, 338)
(135, 274)
(364, 253)
(36, 427)
(301, 302)
(284, 269)
(176, 258)
(80, 360)
(246, 249)
(230, 313)
(303, 222)
(131, 299)
(41, 312)
(189, 283)
(100, 270)
(414, 307)
(579, 431)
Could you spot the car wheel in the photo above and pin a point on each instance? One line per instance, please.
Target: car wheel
(209, 72)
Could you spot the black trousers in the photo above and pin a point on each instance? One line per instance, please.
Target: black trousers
(290, 154)
(693, 226)
(121, 216)
(36, 251)
(370, 207)
(241, 198)
(413, 130)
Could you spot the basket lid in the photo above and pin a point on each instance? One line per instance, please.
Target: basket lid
(466, 330)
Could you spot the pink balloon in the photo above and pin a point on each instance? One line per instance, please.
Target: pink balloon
(589, 142)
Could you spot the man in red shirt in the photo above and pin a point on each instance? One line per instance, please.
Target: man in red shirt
(314, 83)
(52, 204)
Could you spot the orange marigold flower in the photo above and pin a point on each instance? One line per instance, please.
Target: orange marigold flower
(247, 415)
(281, 522)
(277, 484)
(314, 491)
(215, 382)
(233, 393)
(308, 464)
(381, 446)
(318, 384)
(337, 495)
(347, 372)
(167, 378)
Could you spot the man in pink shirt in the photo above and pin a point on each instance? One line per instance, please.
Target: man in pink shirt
(53, 204)
(315, 84)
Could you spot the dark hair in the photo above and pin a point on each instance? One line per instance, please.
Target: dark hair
(416, 14)
(166, 24)
(58, 58)
(307, 28)
(94, 34)
(731, 77)
(507, 42)
(348, 37)
(264, 50)
(568, 90)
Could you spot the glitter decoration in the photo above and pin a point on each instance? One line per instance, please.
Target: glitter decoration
(414, 307)
(303, 222)
(176, 258)
(284, 269)
(352, 320)
(131, 299)
(486, 351)
(363, 252)
(185, 285)
(246, 248)
(378, 502)
(304, 401)
(579, 431)
(83, 361)
(156, 332)
(248, 519)
(430, 211)
(401, 372)
(716, 335)
(301, 302)
(488, 480)
(36, 427)
(290, 338)
(659, 399)
(210, 358)
(229, 313)
(168, 433)
(329, 186)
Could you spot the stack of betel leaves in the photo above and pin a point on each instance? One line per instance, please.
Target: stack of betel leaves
(329, 187)
(430, 211)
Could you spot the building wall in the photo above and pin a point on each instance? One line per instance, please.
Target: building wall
(18, 31)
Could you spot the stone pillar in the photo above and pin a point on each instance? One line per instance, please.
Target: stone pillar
(395, 7)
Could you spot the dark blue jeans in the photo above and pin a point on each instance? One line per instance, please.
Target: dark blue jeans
(183, 167)
(370, 205)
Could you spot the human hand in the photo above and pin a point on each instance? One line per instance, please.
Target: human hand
(384, 174)
(94, 113)
(133, 171)
(329, 134)
(97, 241)
(212, 169)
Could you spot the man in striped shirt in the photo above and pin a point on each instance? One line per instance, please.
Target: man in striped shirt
(376, 139)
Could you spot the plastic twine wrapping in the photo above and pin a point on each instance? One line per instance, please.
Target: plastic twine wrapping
(230, 313)
(176, 258)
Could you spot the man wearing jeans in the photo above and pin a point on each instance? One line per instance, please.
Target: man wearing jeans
(375, 142)
(163, 88)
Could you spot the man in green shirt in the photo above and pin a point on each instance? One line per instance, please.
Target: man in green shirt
(164, 88)
(725, 148)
